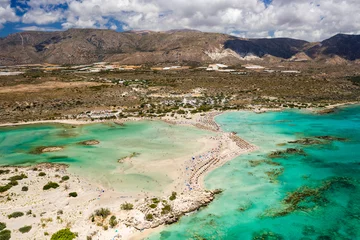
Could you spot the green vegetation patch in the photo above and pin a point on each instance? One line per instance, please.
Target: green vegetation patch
(50, 185)
(25, 229)
(173, 196)
(64, 234)
(102, 212)
(2, 226)
(65, 178)
(16, 215)
(127, 206)
(5, 235)
(112, 221)
(166, 209)
(149, 217)
(73, 194)
(41, 174)
(18, 177)
(4, 171)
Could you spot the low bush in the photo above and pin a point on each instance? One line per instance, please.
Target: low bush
(102, 212)
(112, 221)
(13, 183)
(166, 209)
(25, 229)
(127, 206)
(149, 217)
(25, 188)
(2, 226)
(16, 215)
(73, 194)
(173, 196)
(65, 178)
(4, 171)
(155, 200)
(154, 205)
(50, 185)
(18, 177)
(63, 234)
(5, 188)
(41, 174)
(5, 235)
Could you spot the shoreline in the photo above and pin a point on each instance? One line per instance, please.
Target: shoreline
(133, 223)
(177, 119)
(220, 148)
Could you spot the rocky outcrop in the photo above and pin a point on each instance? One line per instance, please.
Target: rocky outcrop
(151, 213)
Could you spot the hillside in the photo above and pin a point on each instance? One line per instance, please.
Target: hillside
(82, 46)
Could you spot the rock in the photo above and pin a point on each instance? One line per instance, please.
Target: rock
(327, 111)
(90, 142)
(44, 149)
(307, 141)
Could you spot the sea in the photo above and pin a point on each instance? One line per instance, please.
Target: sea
(310, 193)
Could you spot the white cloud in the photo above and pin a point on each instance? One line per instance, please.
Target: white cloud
(37, 28)
(40, 16)
(7, 14)
(311, 20)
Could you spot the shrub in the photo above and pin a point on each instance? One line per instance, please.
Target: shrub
(25, 229)
(166, 209)
(13, 183)
(155, 200)
(41, 174)
(154, 205)
(5, 235)
(5, 188)
(29, 212)
(4, 171)
(113, 221)
(64, 178)
(50, 185)
(63, 234)
(149, 217)
(2, 226)
(102, 212)
(16, 215)
(73, 194)
(105, 227)
(18, 177)
(25, 188)
(127, 206)
(173, 196)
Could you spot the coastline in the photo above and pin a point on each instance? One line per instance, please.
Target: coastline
(133, 225)
(189, 198)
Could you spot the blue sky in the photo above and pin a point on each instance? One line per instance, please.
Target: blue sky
(310, 20)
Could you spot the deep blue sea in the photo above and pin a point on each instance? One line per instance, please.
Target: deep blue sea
(310, 194)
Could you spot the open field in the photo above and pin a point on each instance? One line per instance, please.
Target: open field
(37, 94)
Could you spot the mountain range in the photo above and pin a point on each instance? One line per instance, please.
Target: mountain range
(85, 46)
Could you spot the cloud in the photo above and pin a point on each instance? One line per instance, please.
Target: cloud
(37, 28)
(7, 14)
(41, 16)
(311, 20)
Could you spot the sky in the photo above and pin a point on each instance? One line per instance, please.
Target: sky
(309, 20)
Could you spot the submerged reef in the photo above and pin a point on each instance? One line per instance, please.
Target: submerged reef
(254, 163)
(266, 235)
(306, 198)
(288, 151)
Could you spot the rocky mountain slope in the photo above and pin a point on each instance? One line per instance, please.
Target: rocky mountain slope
(83, 46)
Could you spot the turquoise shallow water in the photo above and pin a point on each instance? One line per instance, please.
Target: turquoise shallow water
(247, 208)
(153, 141)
